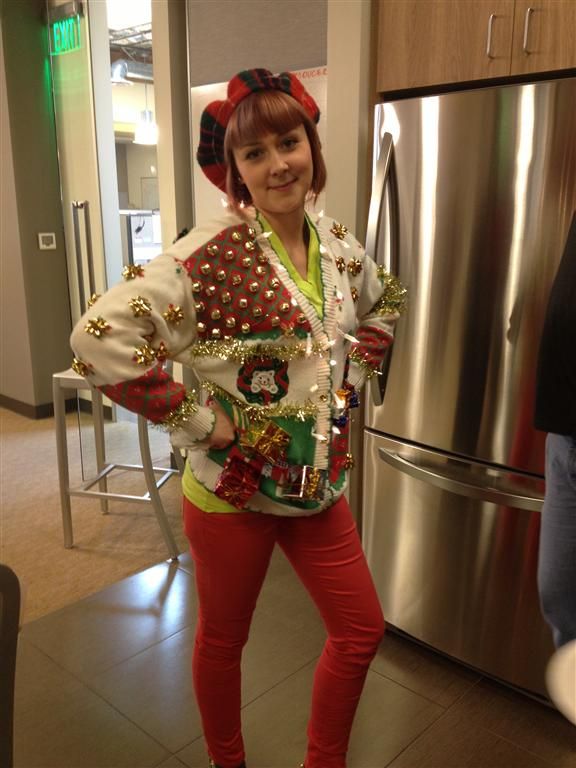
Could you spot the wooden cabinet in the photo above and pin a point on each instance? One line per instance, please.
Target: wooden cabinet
(544, 36)
(427, 42)
(431, 42)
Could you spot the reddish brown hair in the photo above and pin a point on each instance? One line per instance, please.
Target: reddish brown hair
(261, 113)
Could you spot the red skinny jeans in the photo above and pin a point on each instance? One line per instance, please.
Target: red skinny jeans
(231, 554)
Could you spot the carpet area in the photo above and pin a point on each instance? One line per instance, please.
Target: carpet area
(107, 547)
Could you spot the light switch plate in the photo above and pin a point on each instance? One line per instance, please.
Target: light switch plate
(47, 241)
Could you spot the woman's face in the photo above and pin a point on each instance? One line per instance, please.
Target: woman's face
(277, 169)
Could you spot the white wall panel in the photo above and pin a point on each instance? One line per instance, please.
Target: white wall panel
(226, 37)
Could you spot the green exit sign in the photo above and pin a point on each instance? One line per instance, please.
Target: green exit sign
(65, 36)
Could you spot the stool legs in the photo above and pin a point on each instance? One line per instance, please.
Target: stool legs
(147, 466)
(62, 458)
(99, 444)
(70, 380)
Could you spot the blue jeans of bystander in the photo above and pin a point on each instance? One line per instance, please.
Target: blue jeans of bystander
(557, 558)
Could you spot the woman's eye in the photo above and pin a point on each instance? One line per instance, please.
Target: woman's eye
(252, 154)
(289, 143)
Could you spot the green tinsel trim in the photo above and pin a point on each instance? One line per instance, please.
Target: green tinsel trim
(301, 412)
(187, 408)
(394, 297)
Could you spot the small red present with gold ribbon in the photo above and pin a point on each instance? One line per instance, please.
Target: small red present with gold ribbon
(238, 480)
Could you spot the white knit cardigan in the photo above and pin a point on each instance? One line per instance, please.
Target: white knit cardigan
(220, 298)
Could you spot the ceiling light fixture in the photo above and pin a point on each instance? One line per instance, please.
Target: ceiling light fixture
(146, 129)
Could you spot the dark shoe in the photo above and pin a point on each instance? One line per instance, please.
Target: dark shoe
(212, 764)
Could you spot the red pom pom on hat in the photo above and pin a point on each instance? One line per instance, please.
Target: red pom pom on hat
(215, 118)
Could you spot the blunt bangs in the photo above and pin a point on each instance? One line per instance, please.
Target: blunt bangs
(261, 113)
(268, 112)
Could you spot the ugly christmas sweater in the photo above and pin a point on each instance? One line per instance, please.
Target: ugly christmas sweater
(221, 302)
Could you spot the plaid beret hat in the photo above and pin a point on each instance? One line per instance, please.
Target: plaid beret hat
(215, 118)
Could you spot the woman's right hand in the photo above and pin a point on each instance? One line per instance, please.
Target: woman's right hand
(223, 433)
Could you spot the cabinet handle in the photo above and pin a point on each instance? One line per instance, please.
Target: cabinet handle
(489, 38)
(529, 12)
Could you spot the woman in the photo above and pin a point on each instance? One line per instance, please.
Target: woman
(264, 305)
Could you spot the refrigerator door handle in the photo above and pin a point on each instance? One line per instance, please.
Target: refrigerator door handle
(384, 176)
(470, 490)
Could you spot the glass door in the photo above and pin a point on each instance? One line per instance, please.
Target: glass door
(83, 111)
(97, 105)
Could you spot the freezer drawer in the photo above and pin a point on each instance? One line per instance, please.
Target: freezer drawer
(452, 569)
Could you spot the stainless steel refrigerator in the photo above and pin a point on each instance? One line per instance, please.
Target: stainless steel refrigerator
(473, 194)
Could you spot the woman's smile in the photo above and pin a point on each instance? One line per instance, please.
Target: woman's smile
(280, 187)
(277, 169)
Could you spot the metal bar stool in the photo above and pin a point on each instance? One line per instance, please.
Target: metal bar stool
(70, 380)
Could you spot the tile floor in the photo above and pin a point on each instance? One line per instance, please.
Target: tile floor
(105, 683)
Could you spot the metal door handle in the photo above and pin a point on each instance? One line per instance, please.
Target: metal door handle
(84, 206)
(529, 12)
(383, 175)
(470, 490)
(489, 38)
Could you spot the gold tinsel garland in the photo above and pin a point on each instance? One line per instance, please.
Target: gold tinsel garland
(178, 416)
(249, 412)
(394, 298)
(238, 351)
(357, 357)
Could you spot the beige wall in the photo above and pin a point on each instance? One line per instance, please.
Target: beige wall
(350, 98)
(133, 163)
(141, 163)
(170, 49)
(128, 101)
(122, 174)
(36, 208)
